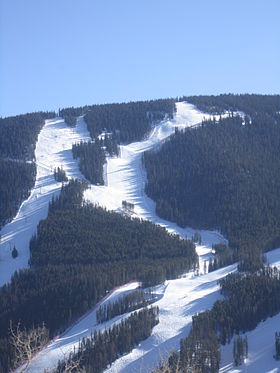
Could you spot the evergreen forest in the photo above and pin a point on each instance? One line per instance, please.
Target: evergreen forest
(18, 136)
(102, 349)
(110, 125)
(128, 303)
(223, 175)
(91, 158)
(250, 104)
(130, 121)
(79, 253)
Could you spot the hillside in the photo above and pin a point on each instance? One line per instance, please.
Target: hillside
(110, 125)
(82, 254)
(128, 122)
(79, 253)
(18, 136)
(54, 146)
(224, 175)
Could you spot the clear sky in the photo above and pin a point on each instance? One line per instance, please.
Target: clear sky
(60, 53)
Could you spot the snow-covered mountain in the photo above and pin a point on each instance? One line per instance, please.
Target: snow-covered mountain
(178, 300)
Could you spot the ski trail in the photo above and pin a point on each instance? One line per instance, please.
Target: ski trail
(53, 149)
(126, 178)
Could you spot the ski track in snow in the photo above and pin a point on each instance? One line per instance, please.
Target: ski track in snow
(53, 149)
(178, 299)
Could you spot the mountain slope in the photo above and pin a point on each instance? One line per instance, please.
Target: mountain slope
(53, 149)
(225, 176)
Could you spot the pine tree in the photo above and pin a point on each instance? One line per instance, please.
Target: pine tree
(14, 252)
(277, 346)
(246, 347)
(205, 267)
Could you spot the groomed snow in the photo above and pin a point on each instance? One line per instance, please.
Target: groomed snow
(125, 174)
(53, 149)
(182, 299)
(65, 343)
(179, 300)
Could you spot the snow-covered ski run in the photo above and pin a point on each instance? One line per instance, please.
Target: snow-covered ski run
(178, 300)
(53, 149)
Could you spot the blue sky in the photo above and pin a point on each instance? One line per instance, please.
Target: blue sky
(59, 53)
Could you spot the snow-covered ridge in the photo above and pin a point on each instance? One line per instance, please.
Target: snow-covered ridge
(53, 149)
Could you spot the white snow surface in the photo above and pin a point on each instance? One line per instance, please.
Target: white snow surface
(61, 346)
(179, 300)
(53, 149)
(261, 348)
(182, 299)
(126, 176)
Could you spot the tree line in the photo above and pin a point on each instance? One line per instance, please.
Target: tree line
(240, 349)
(18, 136)
(131, 302)
(130, 120)
(103, 348)
(90, 234)
(125, 122)
(70, 114)
(17, 179)
(60, 175)
(91, 156)
(250, 104)
(223, 257)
